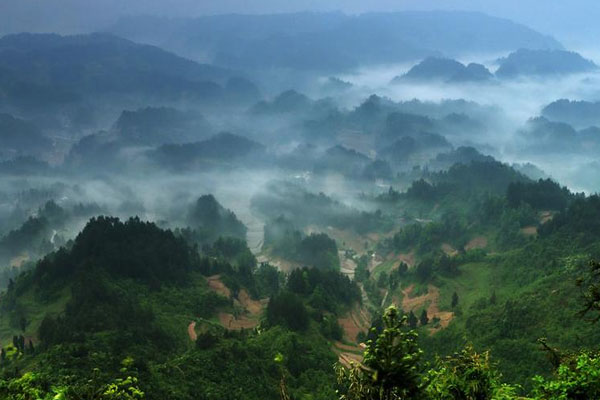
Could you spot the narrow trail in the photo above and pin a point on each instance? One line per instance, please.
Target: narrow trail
(192, 331)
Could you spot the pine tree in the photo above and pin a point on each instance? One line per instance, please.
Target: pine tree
(21, 343)
(454, 300)
(412, 320)
(424, 318)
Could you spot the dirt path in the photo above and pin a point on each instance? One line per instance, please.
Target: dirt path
(214, 283)
(254, 307)
(192, 331)
(429, 300)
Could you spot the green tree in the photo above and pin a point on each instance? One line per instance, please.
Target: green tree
(412, 320)
(424, 319)
(467, 375)
(454, 299)
(390, 368)
(578, 377)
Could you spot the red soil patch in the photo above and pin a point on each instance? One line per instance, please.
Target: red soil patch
(449, 250)
(529, 231)
(407, 258)
(430, 300)
(192, 331)
(358, 320)
(234, 323)
(214, 283)
(254, 307)
(478, 242)
(251, 308)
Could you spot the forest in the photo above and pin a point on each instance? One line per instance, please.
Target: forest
(299, 200)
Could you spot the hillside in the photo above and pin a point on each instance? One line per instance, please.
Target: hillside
(41, 70)
(445, 70)
(331, 41)
(526, 62)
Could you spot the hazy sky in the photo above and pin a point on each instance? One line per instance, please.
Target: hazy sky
(572, 21)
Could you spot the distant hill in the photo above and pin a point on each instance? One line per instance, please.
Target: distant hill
(463, 155)
(212, 220)
(41, 69)
(160, 125)
(543, 63)
(446, 70)
(330, 41)
(224, 148)
(543, 136)
(19, 137)
(576, 113)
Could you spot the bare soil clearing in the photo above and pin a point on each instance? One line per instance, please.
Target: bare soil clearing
(254, 307)
(249, 318)
(233, 323)
(407, 258)
(358, 320)
(529, 231)
(546, 216)
(449, 250)
(430, 301)
(192, 331)
(479, 242)
(214, 283)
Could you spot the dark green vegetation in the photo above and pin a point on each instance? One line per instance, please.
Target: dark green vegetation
(116, 304)
(316, 250)
(291, 201)
(364, 229)
(393, 369)
(108, 311)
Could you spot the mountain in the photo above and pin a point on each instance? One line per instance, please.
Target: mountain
(330, 41)
(160, 125)
(446, 70)
(545, 137)
(209, 217)
(224, 148)
(40, 69)
(19, 137)
(527, 62)
(577, 113)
